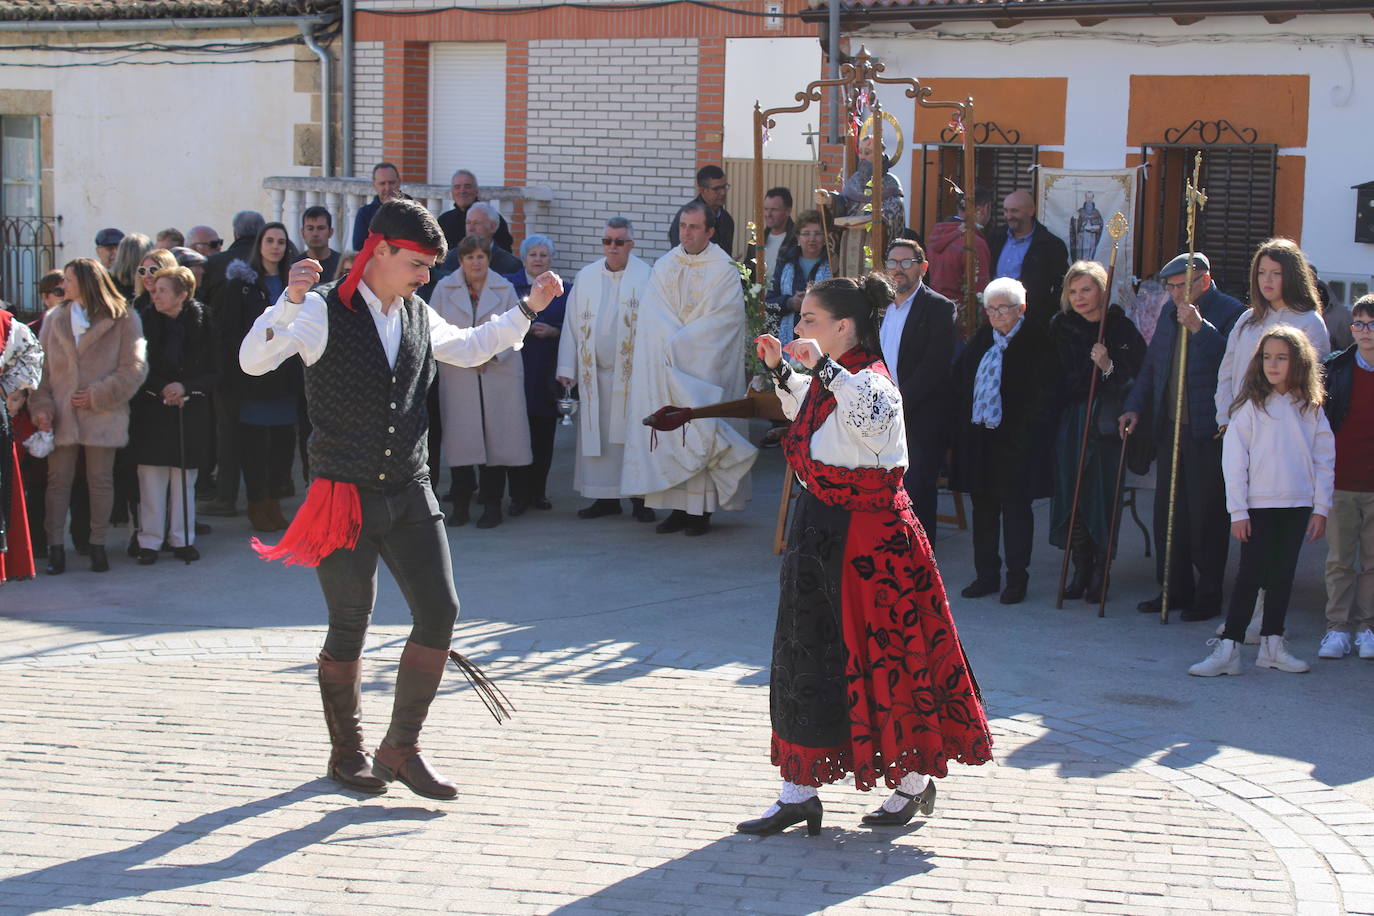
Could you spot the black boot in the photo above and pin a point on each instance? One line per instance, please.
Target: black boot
(1081, 547)
(641, 512)
(417, 681)
(491, 515)
(57, 559)
(1096, 579)
(600, 508)
(462, 512)
(100, 561)
(341, 689)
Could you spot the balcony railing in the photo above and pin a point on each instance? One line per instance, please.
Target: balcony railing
(345, 196)
(30, 246)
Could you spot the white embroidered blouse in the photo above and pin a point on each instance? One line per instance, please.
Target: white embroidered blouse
(866, 429)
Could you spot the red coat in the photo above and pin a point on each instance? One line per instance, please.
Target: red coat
(945, 254)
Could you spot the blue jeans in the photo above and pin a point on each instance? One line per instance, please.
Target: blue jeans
(405, 528)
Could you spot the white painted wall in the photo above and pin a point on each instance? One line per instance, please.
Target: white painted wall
(770, 71)
(1099, 61)
(147, 147)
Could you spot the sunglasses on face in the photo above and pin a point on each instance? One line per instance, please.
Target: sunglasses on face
(618, 243)
(214, 243)
(1362, 325)
(1000, 309)
(904, 263)
(148, 271)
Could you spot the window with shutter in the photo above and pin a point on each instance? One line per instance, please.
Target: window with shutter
(467, 111)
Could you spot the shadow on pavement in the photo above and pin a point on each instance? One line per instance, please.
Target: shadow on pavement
(126, 872)
(813, 873)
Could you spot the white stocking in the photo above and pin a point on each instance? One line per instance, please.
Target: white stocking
(912, 784)
(791, 794)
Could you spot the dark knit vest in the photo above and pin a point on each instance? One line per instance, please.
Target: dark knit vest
(370, 421)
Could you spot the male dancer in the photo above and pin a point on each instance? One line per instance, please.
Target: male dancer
(369, 350)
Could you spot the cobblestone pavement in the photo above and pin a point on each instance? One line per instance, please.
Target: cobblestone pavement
(164, 750)
(161, 774)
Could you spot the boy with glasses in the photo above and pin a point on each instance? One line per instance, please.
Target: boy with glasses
(1350, 528)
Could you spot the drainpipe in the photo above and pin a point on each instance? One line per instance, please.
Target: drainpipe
(834, 54)
(346, 77)
(326, 101)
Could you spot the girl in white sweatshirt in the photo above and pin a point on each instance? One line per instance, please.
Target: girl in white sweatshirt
(1278, 457)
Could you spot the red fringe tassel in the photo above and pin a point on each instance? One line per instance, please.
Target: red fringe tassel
(330, 520)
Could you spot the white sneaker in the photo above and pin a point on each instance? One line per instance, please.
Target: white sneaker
(1365, 642)
(1251, 632)
(1274, 654)
(1336, 644)
(1225, 659)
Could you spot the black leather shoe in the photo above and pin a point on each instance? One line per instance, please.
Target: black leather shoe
(132, 549)
(1014, 593)
(676, 521)
(1152, 605)
(697, 525)
(491, 517)
(518, 507)
(641, 512)
(100, 561)
(600, 509)
(188, 554)
(57, 559)
(542, 504)
(1078, 584)
(925, 803)
(145, 557)
(787, 815)
(979, 588)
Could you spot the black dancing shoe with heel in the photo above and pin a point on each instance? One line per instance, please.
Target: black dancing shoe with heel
(925, 803)
(786, 816)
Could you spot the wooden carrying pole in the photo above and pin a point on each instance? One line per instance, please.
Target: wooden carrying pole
(970, 303)
(1196, 199)
(1116, 228)
(1115, 525)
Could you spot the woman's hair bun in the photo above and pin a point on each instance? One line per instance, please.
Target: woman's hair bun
(878, 291)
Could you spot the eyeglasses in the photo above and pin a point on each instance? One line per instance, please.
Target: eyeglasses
(1000, 309)
(216, 244)
(148, 271)
(619, 243)
(904, 263)
(1362, 325)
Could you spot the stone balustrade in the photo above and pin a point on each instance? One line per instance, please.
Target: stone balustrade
(345, 196)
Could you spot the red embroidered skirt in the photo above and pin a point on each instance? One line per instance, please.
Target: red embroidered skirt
(16, 562)
(868, 675)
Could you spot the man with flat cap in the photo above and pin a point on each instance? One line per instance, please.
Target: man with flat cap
(107, 245)
(1202, 528)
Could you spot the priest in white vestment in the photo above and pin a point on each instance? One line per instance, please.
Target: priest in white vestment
(596, 353)
(689, 352)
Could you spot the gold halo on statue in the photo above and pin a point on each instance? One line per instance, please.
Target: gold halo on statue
(891, 124)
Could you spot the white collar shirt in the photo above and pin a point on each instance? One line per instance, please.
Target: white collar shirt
(81, 322)
(890, 334)
(388, 322)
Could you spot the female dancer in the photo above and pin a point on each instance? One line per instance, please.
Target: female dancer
(869, 676)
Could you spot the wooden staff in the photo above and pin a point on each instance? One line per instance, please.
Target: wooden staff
(1196, 199)
(1116, 228)
(1116, 524)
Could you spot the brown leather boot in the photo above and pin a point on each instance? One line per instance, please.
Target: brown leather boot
(260, 517)
(341, 689)
(398, 757)
(273, 511)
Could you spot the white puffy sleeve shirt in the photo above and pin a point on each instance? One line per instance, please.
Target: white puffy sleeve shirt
(866, 428)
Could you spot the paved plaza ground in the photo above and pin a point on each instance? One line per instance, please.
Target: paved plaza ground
(164, 750)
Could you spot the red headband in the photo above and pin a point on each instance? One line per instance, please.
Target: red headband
(350, 285)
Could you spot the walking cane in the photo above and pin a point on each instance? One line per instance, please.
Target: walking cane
(1116, 228)
(1196, 198)
(1115, 525)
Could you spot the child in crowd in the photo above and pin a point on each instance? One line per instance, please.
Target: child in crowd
(1350, 557)
(1278, 457)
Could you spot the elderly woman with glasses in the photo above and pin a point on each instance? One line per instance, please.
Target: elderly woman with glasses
(1004, 394)
(540, 354)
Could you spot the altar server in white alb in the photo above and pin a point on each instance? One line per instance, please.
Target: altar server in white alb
(689, 352)
(596, 353)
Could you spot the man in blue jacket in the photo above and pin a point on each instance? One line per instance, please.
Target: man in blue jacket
(1202, 529)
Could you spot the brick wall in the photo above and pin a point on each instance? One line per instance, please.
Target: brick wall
(368, 104)
(602, 155)
(405, 122)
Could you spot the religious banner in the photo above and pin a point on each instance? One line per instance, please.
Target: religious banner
(1075, 205)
